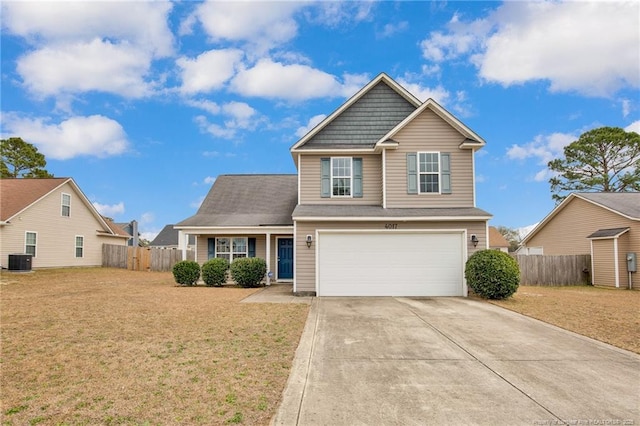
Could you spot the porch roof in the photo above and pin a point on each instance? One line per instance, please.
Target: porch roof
(247, 200)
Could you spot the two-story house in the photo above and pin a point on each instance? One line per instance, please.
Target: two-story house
(383, 203)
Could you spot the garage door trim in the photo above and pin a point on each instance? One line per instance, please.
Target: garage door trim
(462, 232)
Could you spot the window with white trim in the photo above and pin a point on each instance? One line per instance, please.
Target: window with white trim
(79, 246)
(429, 172)
(232, 248)
(30, 243)
(66, 205)
(341, 176)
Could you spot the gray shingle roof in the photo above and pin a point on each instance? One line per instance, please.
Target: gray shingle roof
(248, 200)
(169, 237)
(324, 210)
(605, 233)
(627, 203)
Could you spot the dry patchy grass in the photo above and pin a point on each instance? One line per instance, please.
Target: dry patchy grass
(109, 346)
(609, 315)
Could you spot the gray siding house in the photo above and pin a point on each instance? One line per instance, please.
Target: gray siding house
(383, 203)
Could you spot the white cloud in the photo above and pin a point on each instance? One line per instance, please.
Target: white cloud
(561, 42)
(438, 93)
(89, 46)
(543, 147)
(143, 24)
(209, 71)
(209, 180)
(389, 30)
(149, 235)
(109, 210)
(270, 79)
(261, 24)
(214, 129)
(633, 127)
(147, 218)
(209, 106)
(93, 135)
(313, 122)
(86, 66)
(340, 14)
(626, 107)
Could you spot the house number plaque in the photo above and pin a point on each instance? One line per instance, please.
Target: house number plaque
(390, 226)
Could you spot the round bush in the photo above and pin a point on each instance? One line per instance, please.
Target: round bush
(214, 271)
(186, 272)
(248, 271)
(492, 274)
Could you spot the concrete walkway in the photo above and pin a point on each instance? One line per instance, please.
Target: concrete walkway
(400, 361)
(276, 293)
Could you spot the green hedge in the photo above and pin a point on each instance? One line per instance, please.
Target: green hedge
(214, 271)
(186, 272)
(248, 271)
(492, 274)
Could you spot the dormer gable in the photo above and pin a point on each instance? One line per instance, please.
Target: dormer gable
(361, 121)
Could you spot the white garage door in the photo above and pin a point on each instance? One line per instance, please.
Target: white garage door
(390, 264)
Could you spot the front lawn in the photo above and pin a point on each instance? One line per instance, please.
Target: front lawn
(110, 346)
(609, 315)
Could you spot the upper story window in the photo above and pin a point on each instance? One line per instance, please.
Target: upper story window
(341, 177)
(66, 205)
(30, 243)
(429, 172)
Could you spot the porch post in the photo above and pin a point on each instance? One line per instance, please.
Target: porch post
(182, 243)
(268, 258)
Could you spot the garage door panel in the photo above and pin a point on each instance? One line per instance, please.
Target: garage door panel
(390, 264)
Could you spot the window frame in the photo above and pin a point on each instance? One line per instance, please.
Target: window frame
(63, 205)
(350, 177)
(420, 173)
(34, 245)
(81, 247)
(232, 253)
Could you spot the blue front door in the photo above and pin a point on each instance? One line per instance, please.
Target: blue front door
(285, 258)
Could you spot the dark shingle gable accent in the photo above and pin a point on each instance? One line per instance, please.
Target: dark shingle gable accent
(364, 122)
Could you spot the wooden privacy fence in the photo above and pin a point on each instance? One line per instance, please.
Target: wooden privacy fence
(554, 270)
(142, 258)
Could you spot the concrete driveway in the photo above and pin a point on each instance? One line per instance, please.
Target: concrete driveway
(401, 361)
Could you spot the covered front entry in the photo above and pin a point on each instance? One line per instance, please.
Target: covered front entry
(407, 263)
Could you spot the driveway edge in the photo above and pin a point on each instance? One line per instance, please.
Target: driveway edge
(289, 409)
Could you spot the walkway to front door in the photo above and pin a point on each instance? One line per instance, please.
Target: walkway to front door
(285, 259)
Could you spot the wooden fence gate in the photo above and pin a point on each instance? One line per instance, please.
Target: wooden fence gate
(554, 270)
(142, 258)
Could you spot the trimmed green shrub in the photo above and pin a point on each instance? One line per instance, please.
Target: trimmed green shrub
(248, 271)
(186, 272)
(214, 271)
(492, 274)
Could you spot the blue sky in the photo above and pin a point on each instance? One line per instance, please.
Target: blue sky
(144, 104)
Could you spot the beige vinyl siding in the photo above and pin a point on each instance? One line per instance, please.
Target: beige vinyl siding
(624, 246)
(56, 243)
(566, 233)
(261, 249)
(309, 170)
(305, 263)
(603, 263)
(429, 133)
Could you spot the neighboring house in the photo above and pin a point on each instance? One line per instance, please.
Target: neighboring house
(383, 203)
(603, 224)
(168, 239)
(497, 240)
(52, 220)
(131, 228)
